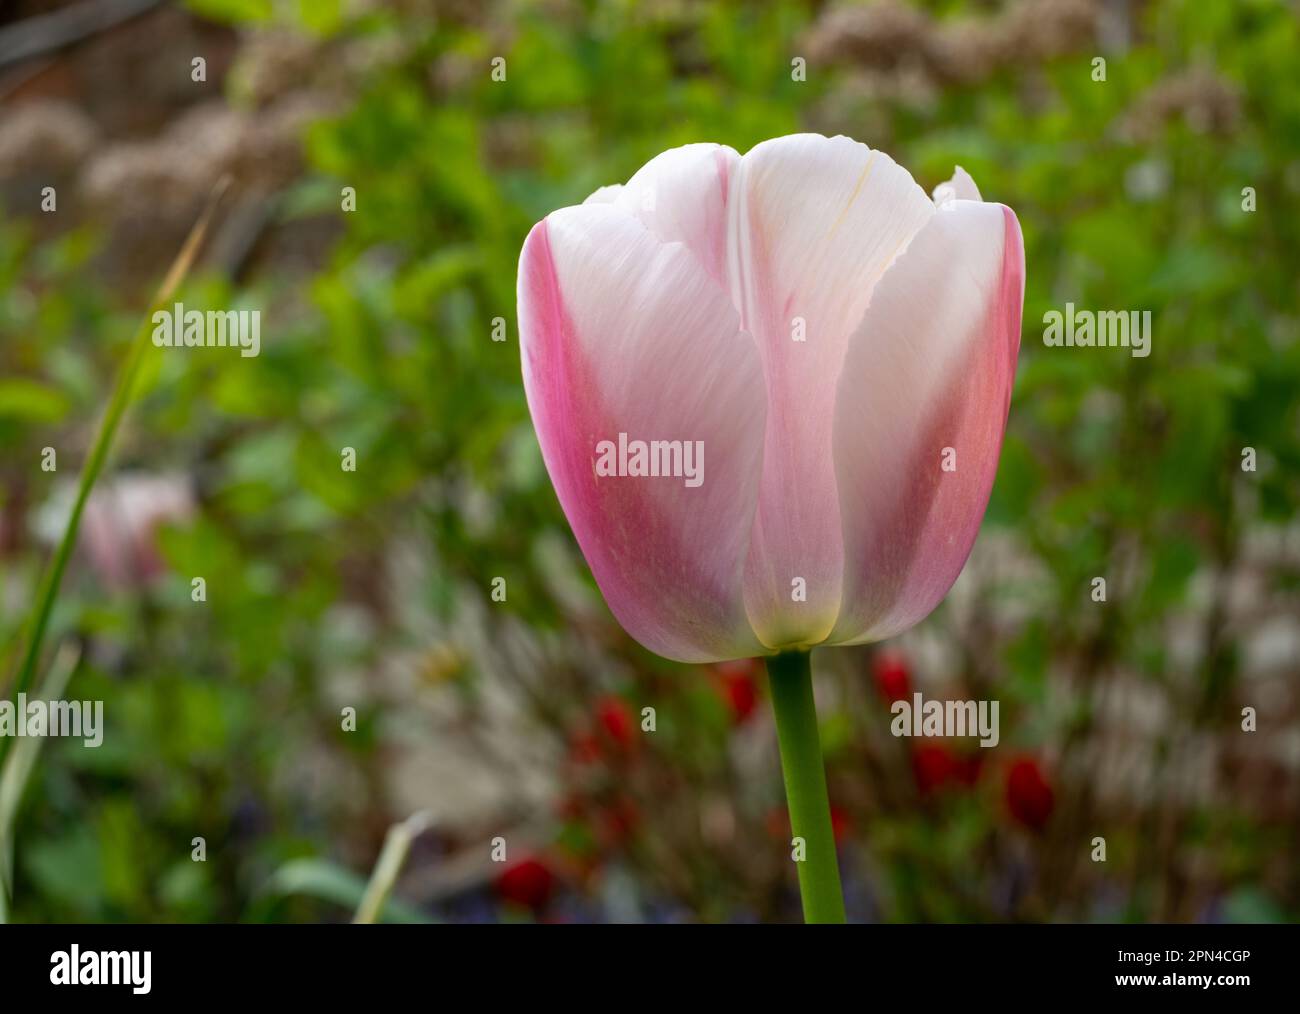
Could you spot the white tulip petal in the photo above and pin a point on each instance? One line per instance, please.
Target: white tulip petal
(815, 222)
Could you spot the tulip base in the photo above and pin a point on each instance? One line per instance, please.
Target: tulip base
(790, 674)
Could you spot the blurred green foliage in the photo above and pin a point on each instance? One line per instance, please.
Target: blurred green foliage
(221, 722)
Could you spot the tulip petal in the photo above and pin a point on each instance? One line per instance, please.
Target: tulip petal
(814, 223)
(960, 188)
(926, 384)
(605, 195)
(681, 196)
(622, 333)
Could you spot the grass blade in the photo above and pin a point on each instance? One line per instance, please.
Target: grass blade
(19, 766)
(117, 406)
(391, 857)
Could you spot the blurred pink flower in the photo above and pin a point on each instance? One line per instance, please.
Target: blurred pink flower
(834, 345)
(120, 523)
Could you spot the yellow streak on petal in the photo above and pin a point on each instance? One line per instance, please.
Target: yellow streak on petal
(857, 189)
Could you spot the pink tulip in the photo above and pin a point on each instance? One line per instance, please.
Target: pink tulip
(838, 346)
(120, 525)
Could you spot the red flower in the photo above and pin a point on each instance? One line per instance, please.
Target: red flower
(969, 768)
(893, 678)
(841, 823)
(571, 806)
(937, 766)
(777, 823)
(1029, 796)
(616, 719)
(610, 731)
(528, 884)
(738, 687)
(934, 766)
(584, 748)
(619, 820)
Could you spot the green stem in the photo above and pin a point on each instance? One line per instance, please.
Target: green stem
(790, 674)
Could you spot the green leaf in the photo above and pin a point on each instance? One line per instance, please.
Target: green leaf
(31, 401)
(328, 881)
(1251, 905)
(233, 11)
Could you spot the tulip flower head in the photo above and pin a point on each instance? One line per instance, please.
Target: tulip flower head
(771, 390)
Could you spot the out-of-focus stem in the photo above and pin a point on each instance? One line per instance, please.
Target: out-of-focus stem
(391, 858)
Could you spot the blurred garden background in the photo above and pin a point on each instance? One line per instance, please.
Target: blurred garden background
(329, 590)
